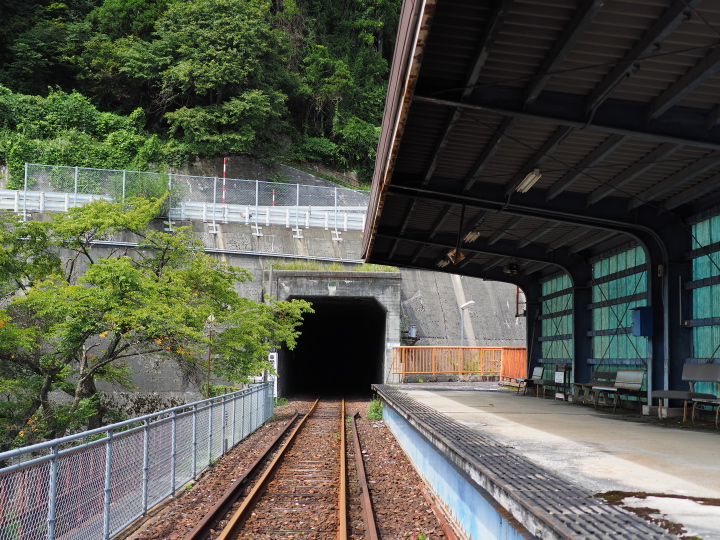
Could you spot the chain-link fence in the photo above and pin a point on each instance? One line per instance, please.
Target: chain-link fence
(55, 188)
(92, 485)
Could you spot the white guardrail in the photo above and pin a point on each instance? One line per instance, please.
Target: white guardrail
(42, 201)
(345, 218)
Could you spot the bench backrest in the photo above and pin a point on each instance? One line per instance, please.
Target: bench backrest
(604, 375)
(629, 379)
(701, 372)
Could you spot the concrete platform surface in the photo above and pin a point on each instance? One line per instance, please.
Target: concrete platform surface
(599, 450)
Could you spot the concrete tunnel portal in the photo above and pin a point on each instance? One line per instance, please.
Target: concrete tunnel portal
(341, 349)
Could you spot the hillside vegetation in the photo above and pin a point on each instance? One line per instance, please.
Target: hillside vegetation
(150, 84)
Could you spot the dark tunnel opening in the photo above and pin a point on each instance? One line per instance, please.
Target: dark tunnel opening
(340, 351)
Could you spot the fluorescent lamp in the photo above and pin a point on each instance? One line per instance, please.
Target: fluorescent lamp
(529, 181)
(472, 236)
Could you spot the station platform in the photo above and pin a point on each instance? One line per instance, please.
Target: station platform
(546, 461)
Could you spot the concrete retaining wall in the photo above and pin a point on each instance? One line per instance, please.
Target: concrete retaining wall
(428, 300)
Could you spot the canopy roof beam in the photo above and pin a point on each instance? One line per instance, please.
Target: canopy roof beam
(678, 12)
(703, 70)
(573, 31)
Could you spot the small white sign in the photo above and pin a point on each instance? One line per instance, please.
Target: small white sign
(560, 377)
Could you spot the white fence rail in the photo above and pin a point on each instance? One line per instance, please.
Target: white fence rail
(349, 218)
(53, 188)
(94, 484)
(40, 201)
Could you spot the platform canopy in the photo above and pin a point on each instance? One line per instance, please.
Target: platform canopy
(521, 138)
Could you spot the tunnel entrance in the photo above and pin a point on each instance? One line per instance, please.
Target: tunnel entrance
(340, 352)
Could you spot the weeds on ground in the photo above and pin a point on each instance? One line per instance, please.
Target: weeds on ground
(374, 410)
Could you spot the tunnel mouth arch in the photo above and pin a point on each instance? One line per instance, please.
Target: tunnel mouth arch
(340, 351)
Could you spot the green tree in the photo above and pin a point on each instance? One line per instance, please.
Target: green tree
(121, 18)
(65, 128)
(77, 323)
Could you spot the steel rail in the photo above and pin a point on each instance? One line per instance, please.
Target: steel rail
(371, 532)
(342, 502)
(233, 525)
(444, 523)
(201, 531)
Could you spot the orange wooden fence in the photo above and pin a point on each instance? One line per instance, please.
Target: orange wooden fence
(514, 363)
(458, 360)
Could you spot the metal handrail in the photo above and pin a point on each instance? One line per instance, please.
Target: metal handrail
(95, 488)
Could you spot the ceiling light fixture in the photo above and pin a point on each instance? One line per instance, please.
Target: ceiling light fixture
(455, 258)
(472, 236)
(529, 181)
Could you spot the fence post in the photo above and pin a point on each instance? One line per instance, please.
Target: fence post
(336, 211)
(194, 441)
(170, 203)
(234, 424)
(297, 206)
(108, 481)
(173, 453)
(52, 493)
(215, 180)
(257, 203)
(253, 398)
(146, 465)
(224, 422)
(210, 432)
(124, 182)
(76, 186)
(242, 416)
(25, 193)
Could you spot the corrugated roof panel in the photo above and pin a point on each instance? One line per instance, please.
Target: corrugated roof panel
(517, 150)
(471, 132)
(418, 141)
(452, 43)
(689, 184)
(615, 29)
(704, 96)
(678, 161)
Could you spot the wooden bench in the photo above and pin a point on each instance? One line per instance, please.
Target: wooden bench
(524, 383)
(599, 378)
(627, 383)
(691, 373)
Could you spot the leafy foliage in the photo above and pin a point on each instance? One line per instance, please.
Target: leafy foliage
(374, 411)
(67, 326)
(66, 129)
(130, 83)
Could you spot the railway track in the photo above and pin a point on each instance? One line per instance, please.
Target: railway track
(300, 486)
